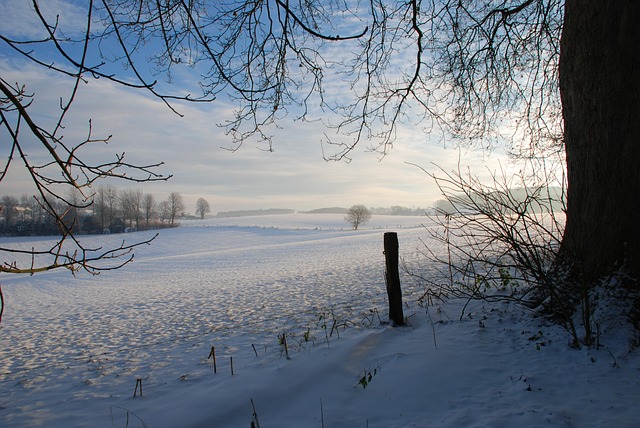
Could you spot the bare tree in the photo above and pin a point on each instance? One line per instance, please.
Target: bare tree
(357, 215)
(164, 210)
(175, 204)
(104, 205)
(131, 204)
(202, 208)
(126, 207)
(148, 208)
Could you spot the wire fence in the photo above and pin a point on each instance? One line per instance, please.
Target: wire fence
(263, 336)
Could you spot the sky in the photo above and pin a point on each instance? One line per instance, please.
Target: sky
(195, 150)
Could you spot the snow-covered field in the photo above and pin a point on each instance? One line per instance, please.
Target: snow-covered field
(74, 349)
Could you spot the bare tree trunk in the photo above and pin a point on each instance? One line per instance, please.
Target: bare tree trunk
(600, 90)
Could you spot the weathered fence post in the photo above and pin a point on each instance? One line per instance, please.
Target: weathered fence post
(392, 276)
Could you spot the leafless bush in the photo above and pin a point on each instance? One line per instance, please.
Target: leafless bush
(502, 243)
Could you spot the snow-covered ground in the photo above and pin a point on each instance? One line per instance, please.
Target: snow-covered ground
(72, 349)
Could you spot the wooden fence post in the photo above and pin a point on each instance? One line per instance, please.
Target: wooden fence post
(392, 277)
(138, 385)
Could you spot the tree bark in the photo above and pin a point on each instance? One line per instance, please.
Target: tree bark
(600, 91)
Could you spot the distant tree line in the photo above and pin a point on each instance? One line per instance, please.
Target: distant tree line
(247, 213)
(398, 210)
(110, 211)
(552, 199)
(394, 210)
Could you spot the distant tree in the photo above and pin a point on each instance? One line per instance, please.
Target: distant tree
(164, 211)
(202, 208)
(117, 225)
(26, 203)
(131, 206)
(89, 223)
(148, 208)
(34, 211)
(105, 205)
(175, 205)
(100, 207)
(357, 215)
(126, 208)
(9, 209)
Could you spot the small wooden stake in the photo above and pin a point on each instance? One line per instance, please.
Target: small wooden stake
(254, 349)
(286, 348)
(231, 359)
(212, 354)
(138, 384)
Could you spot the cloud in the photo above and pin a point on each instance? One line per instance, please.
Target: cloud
(294, 175)
(19, 19)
